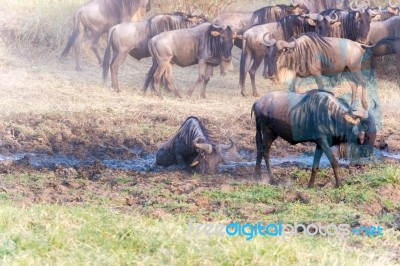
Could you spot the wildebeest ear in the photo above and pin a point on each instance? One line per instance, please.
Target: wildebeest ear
(194, 163)
(311, 22)
(357, 15)
(352, 119)
(215, 33)
(393, 10)
(376, 18)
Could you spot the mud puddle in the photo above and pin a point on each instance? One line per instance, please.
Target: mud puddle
(144, 162)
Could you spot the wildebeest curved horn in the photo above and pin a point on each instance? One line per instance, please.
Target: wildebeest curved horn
(270, 42)
(217, 23)
(315, 16)
(330, 19)
(224, 147)
(203, 146)
(282, 44)
(391, 5)
(352, 8)
(375, 106)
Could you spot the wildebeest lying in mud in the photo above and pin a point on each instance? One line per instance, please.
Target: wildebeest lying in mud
(192, 146)
(315, 116)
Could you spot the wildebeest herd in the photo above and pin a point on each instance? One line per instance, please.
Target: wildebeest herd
(305, 39)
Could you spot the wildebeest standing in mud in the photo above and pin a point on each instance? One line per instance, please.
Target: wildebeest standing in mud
(192, 146)
(315, 116)
(133, 37)
(313, 55)
(98, 16)
(206, 45)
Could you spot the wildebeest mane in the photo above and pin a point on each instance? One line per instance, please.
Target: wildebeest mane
(310, 50)
(166, 23)
(327, 112)
(191, 129)
(120, 8)
(269, 14)
(293, 25)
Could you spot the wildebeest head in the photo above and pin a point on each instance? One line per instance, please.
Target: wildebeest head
(209, 156)
(276, 49)
(297, 8)
(220, 40)
(353, 25)
(392, 8)
(361, 136)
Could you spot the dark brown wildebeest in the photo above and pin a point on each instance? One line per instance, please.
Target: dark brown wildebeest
(353, 25)
(192, 146)
(313, 55)
(206, 45)
(132, 38)
(242, 21)
(315, 116)
(385, 46)
(98, 16)
(254, 52)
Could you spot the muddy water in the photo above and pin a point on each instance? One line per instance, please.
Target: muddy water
(144, 162)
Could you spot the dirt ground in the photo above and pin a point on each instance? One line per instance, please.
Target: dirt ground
(49, 108)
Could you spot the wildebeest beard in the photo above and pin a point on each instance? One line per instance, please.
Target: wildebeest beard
(294, 25)
(173, 21)
(213, 43)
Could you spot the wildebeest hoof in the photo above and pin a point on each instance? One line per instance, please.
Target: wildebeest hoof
(256, 94)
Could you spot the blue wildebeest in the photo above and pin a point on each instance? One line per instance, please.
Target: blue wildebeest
(242, 21)
(385, 46)
(380, 30)
(315, 116)
(133, 37)
(313, 55)
(192, 146)
(254, 52)
(206, 45)
(98, 16)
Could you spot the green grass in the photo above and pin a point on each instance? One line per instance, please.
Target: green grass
(87, 235)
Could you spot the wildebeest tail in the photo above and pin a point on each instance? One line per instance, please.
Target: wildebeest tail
(243, 64)
(149, 79)
(72, 38)
(107, 54)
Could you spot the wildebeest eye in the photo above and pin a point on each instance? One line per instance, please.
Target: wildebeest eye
(364, 127)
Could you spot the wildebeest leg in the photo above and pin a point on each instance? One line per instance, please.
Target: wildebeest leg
(373, 67)
(77, 46)
(245, 63)
(162, 67)
(364, 94)
(320, 82)
(265, 74)
(207, 76)
(268, 137)
(327, 150)
(118, 58)
(315, 167)
(200, 79)
(170, 83)
(252, 72)
(95, 41)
